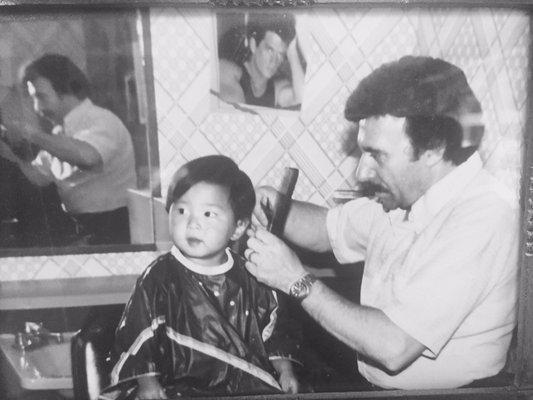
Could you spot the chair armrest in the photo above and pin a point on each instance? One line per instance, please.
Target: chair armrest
(90, 349)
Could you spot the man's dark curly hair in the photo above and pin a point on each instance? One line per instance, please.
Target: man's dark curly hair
(281, 23)
(234, 46)
(434, 97)
(219, 170)
(64, 76)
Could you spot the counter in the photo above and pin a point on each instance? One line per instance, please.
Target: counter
(70, 292)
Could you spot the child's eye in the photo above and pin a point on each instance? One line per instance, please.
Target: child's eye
(209, 214)
(181, 210)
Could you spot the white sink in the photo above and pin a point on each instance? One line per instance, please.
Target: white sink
(45, 368)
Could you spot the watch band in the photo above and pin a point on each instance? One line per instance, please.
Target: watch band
(301, 288)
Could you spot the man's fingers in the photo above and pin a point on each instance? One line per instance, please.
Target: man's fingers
(259, 217)
(248, 253)
(256, 245)
(251, 267)
(266, 237)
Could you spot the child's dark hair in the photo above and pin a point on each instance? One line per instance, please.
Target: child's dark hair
(220, 170)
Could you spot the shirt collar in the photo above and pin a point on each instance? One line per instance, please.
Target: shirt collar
(447, 188)
(77, 111)
(200, 269)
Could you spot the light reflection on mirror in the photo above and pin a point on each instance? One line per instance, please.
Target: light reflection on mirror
(81, 202)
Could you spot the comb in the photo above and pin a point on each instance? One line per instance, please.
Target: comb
(278, 214)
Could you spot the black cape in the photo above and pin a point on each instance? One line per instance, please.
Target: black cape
(202, 334)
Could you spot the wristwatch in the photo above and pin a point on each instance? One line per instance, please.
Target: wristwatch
(302, 287)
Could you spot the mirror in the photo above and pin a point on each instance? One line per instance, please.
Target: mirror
(79, 207)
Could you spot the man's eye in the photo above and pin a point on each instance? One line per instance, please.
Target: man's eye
(181, 211)
(376, 156)
(209, 214)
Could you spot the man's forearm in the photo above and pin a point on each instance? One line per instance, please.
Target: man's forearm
(297, 76)
(73, 151)
(306, 226)
(365, 329)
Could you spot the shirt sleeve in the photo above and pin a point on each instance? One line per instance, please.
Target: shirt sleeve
(103, 138)
(285, 336)
(348, 229)
(138, 334)
(474, 253)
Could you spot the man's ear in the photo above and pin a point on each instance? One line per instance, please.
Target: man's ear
(433, 156)
(242, 224)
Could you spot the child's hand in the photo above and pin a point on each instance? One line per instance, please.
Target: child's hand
(149, 388)
(287, 378)
(289, 382)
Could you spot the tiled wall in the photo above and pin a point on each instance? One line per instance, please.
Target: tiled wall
(342, 46)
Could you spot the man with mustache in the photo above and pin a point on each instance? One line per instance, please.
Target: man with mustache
(438, 237)
(88, 156)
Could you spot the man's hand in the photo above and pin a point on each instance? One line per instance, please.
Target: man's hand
(292, 48)
(271, 261)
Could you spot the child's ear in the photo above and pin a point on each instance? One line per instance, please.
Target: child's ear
(242, 224)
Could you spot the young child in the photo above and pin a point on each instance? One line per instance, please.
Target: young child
(197, 321)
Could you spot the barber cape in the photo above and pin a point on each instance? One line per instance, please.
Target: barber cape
(202, 330)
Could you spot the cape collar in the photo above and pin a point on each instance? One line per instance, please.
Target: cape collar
(200, 269)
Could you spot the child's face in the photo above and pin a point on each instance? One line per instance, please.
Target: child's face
(202, 223)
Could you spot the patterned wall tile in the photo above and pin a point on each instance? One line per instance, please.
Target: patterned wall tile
(74, 266)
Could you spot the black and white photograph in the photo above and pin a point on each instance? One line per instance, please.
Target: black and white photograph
(260, 60)
(266, 200)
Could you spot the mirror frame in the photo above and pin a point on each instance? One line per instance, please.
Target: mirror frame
(522, 386)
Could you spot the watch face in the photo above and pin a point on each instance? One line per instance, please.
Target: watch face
(299, 290)
(302, 287)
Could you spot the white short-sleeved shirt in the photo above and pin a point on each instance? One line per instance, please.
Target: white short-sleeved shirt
(445, 272)
(83, 191)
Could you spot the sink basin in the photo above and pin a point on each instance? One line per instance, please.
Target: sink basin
(51, 360)
(44, 368)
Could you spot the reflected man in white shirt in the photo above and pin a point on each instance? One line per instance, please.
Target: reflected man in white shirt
(89, 155)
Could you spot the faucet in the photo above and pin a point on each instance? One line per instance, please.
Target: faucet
(35, 335)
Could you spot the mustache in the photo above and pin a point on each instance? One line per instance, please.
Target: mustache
(369, 189)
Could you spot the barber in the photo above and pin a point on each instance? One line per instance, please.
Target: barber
(437, 235)
(89, 155)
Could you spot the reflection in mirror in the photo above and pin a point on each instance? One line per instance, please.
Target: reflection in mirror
(74, 151)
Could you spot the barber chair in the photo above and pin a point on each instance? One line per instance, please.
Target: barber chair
(90, 349)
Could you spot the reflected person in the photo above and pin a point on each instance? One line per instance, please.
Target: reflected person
(437, 232)
(88, 156)
(270, 39)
